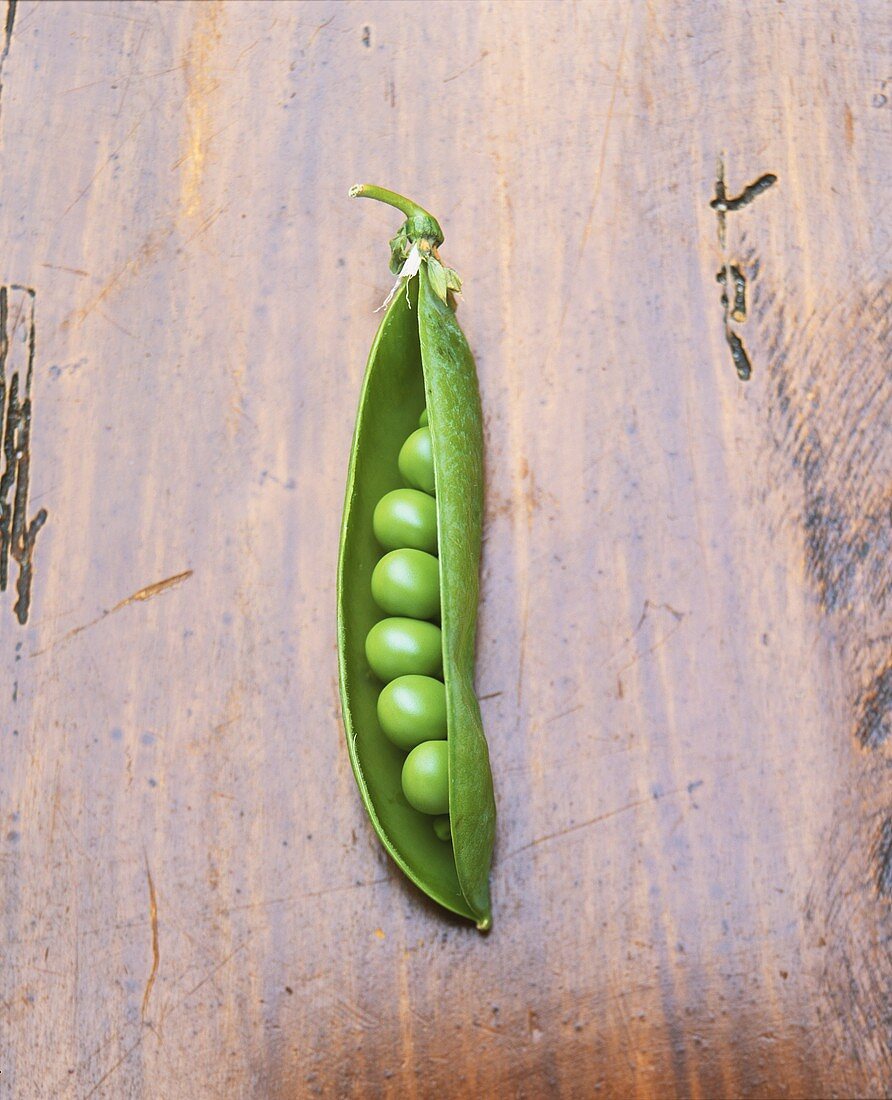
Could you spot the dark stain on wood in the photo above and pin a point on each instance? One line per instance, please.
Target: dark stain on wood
(883, 858)
(831, 420)
(829, 406)
(875, 711)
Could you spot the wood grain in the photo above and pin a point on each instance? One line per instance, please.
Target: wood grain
(685, 631)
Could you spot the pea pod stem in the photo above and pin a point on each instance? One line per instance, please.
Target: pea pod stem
(419, 222)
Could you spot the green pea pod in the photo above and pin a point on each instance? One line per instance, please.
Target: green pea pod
(420, 359)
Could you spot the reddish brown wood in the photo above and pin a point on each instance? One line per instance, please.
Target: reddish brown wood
(684, 643)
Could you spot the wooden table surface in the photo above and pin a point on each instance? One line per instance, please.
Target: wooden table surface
(684, 647)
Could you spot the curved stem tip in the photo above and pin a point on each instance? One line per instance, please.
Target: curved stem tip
(420, 222)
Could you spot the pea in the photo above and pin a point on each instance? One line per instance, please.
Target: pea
(403, 647)
(406, 517)
(407, 582)
(412, 709)
(442, 827)
(422, 420)
(416, 460)
(426, 778)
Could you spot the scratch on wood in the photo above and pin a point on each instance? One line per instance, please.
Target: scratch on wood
(209, 976)
(655, 797)
(849, 127)
(70, 270)
(602, 156)
(145, 254)
(114, 15)
(147, 593)
(522, 647)
(114, 1068)
(649, 605)
(208, 221)
(461, 72)
(658, 644)
(563, 714)
(225, 912)
(115, 324)
(318, 30)
(156, 955)
(131, 76)
(173, 1008)
(108, 160)
(154, 589)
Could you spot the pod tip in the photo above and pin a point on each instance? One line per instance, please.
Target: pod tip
(485, 924)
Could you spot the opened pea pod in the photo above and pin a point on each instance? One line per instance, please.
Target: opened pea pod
(408, 583)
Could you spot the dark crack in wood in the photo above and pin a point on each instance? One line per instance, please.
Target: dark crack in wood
(734, 307)
(7, 37)
(746, 196)
(18, 535)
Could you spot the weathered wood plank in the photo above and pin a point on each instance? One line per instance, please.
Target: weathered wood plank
(684, 643)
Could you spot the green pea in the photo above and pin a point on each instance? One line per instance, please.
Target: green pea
(406, 517)
(442, 827)
(426, 778)
(416, 460)
(412, 709)
(403, 647)
(407, 582)
(422, 420)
